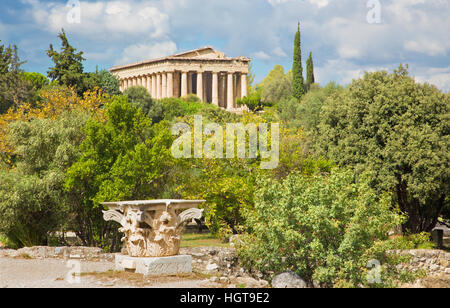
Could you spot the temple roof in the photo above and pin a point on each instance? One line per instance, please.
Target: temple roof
(205, 53)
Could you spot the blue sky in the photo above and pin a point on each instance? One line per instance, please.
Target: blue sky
(343, 40)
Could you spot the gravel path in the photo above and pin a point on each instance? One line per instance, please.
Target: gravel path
(55, 273)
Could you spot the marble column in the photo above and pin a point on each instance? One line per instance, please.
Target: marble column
(144, 81)
(200, 85)
(215, 88)
(189, 83)
(169, 84)
(230, 91)
(158, 85)
(184, 84)
(149, 84)
(243, 85)
(153, 86)
(164, 85)
(134, 81)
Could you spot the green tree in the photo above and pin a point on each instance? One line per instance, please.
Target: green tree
(103, 80)
(68, 69)
(14, 89)
(32, 201)
(252, 101)
(139, 97)
(298, 87)
(309, 72)
(399, 129)
(276, 86)
(324, 228)
(124, 158)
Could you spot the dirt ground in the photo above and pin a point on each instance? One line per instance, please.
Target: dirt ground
(56, 273)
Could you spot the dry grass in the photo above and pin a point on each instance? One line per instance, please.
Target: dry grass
(198, 240)
(139, 280)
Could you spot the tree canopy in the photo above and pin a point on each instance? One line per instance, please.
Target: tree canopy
(399, 129)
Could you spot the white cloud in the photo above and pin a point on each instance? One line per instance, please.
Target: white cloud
(261, 55)
(140, 52)
(104, 19)
(279, 52)
(319, 3)
(342, 42)
(429, 47)
(440, 77)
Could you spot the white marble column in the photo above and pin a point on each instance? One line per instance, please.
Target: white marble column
(134, 81)
(230, 91)
(169, 84)
(149, 84)
(200, 85)
(215, 88)
(184, 84)
(189, 83)
(153, 86)
(243, 85)
(144, 81)
(158, 85)
(164, 85)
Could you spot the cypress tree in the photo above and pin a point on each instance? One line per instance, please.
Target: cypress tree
(297, 70)
(309, 72)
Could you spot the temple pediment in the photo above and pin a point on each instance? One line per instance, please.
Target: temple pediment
(202, 53)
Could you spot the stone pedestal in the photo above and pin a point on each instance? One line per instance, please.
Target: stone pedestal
(156, 266)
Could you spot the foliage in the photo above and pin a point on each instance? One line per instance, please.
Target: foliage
(32, 202)
(139, 97)
(68, 69)
(37, 80)
(294, 156)
(252, 101)
(227, 186)
(306, 115)
(276, 86)
(53, 103)
(124, 158)
(326, 229)
(298, 88)
(108, 83)
(14, 88)
(191, 98)
(398, 129)
(309, 73)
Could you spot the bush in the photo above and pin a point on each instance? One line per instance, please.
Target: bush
(32, 202)
(326, 229)
(399, 129)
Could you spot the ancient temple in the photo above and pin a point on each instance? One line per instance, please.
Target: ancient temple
(208, 73)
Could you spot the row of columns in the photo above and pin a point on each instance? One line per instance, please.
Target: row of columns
(162, 85)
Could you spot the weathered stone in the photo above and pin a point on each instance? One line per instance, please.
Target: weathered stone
(155, 266)
(152, 228)
(220, 80)
(212, 267)
(288, 280)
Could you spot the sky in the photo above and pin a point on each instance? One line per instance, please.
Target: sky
(346, 37)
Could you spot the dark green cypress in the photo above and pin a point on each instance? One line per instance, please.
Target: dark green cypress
(298, 88)
(309, 72)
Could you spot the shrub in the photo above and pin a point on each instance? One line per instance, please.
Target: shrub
(399, 129)
(326, 229)
(32, 202)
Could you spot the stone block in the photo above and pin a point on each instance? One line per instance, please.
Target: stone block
(155, 266)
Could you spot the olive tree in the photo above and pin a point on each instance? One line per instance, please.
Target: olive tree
(399, 129)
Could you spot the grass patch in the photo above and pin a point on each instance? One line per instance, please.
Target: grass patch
(23, 256)
(139, 280)
(198, 240)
